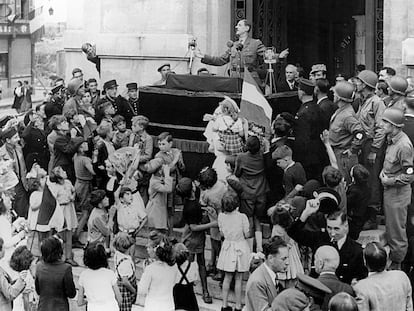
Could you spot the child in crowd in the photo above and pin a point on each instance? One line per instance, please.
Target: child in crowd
(9, 290)
(105, 113)
(64, 218)
(250, 169)
(212, 191)
(334, 180)
(154, 239)
(158, 280)
(194, 236)
(84, 173)
(98, 222)
(161, 184)
(174, 159)
(142, 140)
(183, 292)
(103, 149)
(125, 270)
(234, 258)
(23, 260)
(121, 134)
(358, 196)
(294, 174)
(37, 180)
(130, 213)
(282, 215)
(98, 283)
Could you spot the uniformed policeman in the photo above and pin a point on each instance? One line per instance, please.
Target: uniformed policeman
(396, 177)
(369, 116)
(346, 134)
(133, 100)
(397, 87)
(244, 53)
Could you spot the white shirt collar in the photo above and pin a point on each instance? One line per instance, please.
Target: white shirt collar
(290, 165)
(271, 273)
(341, 242)
(321, 99)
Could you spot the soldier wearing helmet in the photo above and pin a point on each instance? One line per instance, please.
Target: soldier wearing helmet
(396, 176)
(346, 134)
(369, 115)
(397, 87)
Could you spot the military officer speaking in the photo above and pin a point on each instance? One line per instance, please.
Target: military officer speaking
(396, 176)
(241, 54)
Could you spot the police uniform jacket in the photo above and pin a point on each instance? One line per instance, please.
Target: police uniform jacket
(248, 57)
(308, 148)
(345, 131)
(351, 262)
(36, 148)
(369, 115)
(121, 107)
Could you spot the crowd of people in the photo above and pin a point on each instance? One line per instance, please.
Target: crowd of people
(83, 160)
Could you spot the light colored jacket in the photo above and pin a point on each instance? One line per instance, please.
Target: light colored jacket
(9, 292)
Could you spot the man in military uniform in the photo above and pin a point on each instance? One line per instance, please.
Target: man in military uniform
(244, 53)
(133, 97)
(396, 177)
(318, 71)
(372, 156)
(346, 134)
(119, 103)
(397, 86)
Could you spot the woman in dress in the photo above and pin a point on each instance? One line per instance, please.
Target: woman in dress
(54, 279)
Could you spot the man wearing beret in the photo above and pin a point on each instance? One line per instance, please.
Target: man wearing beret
(164, 70)
(318, 71)
(133, 97)
(119, 103)
(308, 149)
(11, 150)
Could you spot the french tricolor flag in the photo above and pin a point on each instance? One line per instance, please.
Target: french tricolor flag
(254, 106)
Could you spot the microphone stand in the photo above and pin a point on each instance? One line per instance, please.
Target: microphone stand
(190, 64)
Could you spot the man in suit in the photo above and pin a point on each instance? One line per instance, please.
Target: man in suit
(382, 290)
(263, 285)
(351, 263)
(327, 106)
(244, 53)
(289, 82)
(326, 263)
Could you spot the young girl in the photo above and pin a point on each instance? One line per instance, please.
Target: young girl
(98, 283)
(36, 180)
(125, 270)
(64, 218)
(23, 260)
(281, 219)
(9, 290)
(158, 280)
(235, 252)
(161, 184)
(183, 292)
(121, 134)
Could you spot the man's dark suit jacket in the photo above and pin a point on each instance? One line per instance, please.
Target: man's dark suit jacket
(331, 281)
(351, 263)
(283, 86)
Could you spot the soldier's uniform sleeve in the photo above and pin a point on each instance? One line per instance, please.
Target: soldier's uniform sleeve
(353, 126)
(379, 136)
(406, 160)
(217, 60)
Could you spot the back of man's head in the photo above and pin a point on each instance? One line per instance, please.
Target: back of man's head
(326, 259)
(322, 85)
(375, 257)
(342, 302)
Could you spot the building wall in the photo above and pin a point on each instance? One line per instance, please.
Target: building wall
(134, 37)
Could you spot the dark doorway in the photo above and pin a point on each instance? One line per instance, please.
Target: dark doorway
(316, 31)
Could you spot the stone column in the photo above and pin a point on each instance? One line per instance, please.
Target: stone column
(134, 37)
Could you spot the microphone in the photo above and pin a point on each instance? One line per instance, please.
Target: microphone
(230, 44)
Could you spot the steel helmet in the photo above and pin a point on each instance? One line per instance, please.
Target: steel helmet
(398, 85)
(345, 91)
(394, 116)
(368, 77)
